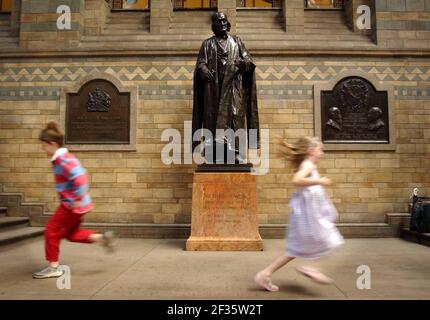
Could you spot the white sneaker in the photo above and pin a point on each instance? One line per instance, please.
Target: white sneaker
(108, 242)
(48, 272)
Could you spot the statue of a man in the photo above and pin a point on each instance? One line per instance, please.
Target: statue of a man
(225, 95)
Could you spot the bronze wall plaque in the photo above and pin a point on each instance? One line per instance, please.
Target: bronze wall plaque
(98, 114)
(354, 112)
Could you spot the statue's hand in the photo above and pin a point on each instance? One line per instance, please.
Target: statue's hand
(206, 73)
(244, 65)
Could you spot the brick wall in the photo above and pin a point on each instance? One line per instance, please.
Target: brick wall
(39, 24)
(403, 24)
(136, 187)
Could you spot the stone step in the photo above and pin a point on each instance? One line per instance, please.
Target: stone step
(130, 14)
(125, 32)
(272, 45)
(127, 18)
(144, 38)
(343, 30)
(5, 28)
(398, 219)
(258, 20)
(258, 25)
(4, 40)
(323, 13)
(9, 45)
(7, 222)
(137, 45)
(192, 14)
(421, 238)
(195, 32)
(195, 18)
(139, 20)
(195, 44)
(339, 19)
(5, 33)
(327, 25)
(258, 13)
(261, 33)
(16, 235)
(324, 16)
(310, 37)
(133, 26)
(275, 37)
(192, 25)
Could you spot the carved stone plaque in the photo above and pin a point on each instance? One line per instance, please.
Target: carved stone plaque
(98, 114)
(355, 112)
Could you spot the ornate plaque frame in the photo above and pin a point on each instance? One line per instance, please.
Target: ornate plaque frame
(341, 146)
(132, 90)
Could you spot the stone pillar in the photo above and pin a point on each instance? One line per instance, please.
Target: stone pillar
(39, 24)
(96, 13)
(161, 16)
(229, 8)
(294, 15)
(15, 17)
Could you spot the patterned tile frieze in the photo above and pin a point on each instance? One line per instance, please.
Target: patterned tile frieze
(185, 73)
(185, 92)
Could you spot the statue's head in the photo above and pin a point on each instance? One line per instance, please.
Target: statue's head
(335, 114)
(374, 114)
(220, 24)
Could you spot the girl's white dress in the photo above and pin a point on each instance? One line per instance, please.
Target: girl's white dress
(311, 229)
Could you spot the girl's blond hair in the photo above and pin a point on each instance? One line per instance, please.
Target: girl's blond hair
(298, 151)
(52, 133)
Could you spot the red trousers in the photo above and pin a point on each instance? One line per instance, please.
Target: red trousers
(63, 224)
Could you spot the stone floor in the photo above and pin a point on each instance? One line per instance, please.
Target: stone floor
(160, 269)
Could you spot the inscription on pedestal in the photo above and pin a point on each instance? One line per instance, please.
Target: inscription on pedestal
(224, 212)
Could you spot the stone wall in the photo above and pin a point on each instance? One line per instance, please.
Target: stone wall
(403, 24)
(39, 24)
(136, 187)
(400, 24)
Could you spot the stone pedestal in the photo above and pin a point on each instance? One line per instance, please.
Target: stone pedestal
(224, 213)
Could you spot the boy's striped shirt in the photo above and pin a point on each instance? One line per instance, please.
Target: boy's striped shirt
(71, 181)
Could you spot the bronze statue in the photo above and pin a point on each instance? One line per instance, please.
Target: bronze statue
(225, 94)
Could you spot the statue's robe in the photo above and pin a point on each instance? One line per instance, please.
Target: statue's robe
(232, 103)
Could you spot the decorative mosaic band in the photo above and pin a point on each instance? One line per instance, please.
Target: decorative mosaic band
(163, 92)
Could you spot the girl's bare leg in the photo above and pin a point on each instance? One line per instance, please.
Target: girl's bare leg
(262, 278)
(312, 270)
